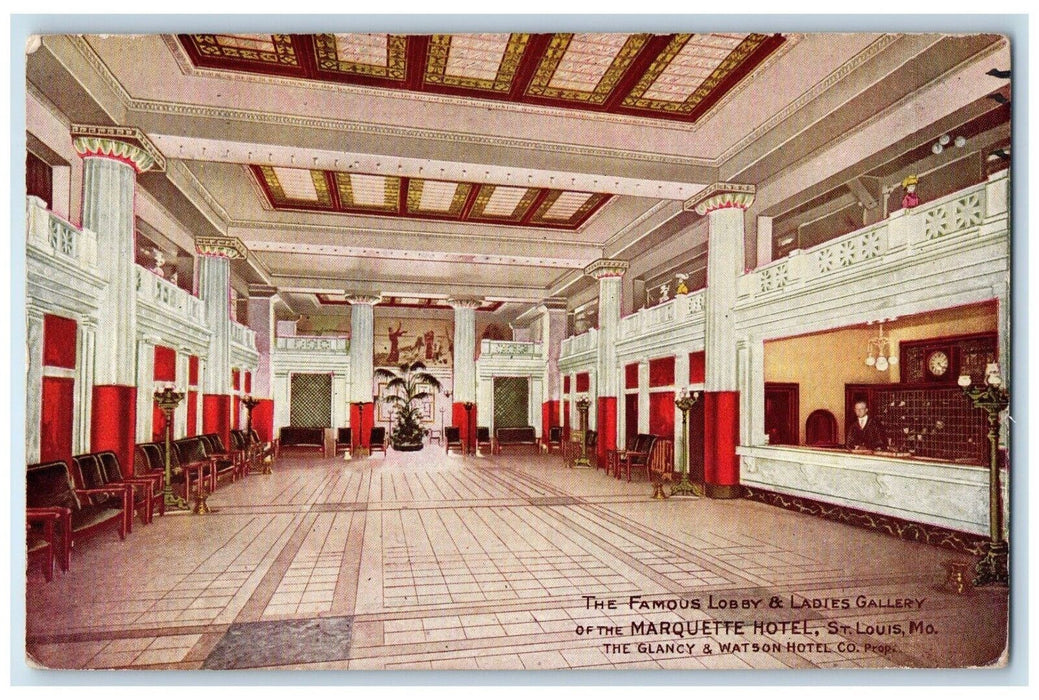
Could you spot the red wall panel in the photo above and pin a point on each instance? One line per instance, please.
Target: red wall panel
(248, 382)
(662, 371)
(59, 342)
(56, 419)
(697, 367)
(583, 381)
(566, 383)
(216, 416)
(114, 422)
(263, 420)
(165, 364)
(236, 378)
(193, 370)
(192, 413)
(631, 376)
(662, 414)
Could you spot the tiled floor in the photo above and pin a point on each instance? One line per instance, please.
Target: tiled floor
(427, 561)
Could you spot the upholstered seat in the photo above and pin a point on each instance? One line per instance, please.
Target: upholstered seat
(43, 528)
(343, 440)
(638, 457)
(377, 440)
(509, 437)
(50, 485)
(453, 438)
(553, 438)
(483, 438)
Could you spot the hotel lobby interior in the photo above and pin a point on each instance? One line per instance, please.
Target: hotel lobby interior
(517, 351)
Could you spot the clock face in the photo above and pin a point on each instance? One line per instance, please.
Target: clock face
(938, 363)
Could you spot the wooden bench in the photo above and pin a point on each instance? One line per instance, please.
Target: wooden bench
(511, 437)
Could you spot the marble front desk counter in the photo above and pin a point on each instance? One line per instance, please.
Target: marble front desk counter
(946, 494)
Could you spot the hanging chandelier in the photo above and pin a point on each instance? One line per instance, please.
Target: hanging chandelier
(879, 352)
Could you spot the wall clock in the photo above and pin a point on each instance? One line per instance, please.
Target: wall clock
(937, 363)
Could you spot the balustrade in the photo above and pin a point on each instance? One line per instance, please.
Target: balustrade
(312, 343)
(49, 233)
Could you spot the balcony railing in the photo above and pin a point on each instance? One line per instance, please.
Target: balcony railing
(52, 235)
(904, 232)
(510, 348)
(243, 335)
(170, 298)
(312, 343)
(577, 344)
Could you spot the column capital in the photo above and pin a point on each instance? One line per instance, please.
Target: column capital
(366, 299)
(261, 291)
(220, 247)
(126, 144)
(606, 267)
(721, 195)
(553, 304)
(465, 302)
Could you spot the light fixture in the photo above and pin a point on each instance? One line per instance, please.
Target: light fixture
(944, 140)
(879, 352)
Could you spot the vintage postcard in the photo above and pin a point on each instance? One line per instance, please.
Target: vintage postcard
(526, 351)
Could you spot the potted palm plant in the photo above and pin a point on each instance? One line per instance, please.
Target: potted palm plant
(405, 389)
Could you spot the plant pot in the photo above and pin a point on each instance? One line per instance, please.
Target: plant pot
(408, 446)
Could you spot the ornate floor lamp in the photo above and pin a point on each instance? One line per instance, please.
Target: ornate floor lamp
(470, 431)
(582, 405)
(250, 403)
(992, 398)
(684, 487)
(168, 400)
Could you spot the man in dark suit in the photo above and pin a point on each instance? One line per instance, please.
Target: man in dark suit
(864, 432)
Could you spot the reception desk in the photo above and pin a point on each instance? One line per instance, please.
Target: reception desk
(944, 494)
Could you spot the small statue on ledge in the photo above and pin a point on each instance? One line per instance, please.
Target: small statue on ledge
(665, 290)
(681, 288)
(911, 198)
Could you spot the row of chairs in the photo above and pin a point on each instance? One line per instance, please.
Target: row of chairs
(376, 440)
(66, 503)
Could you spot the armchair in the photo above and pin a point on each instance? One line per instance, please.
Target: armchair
(377, 440)
(453, 438)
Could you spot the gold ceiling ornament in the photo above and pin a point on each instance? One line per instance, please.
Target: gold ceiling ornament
(221, 246)
(123, 143)
(721, 195)
(606, 267)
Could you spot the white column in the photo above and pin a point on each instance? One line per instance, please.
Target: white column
(340, 400)
(214, 288)
(753, 395)
(724, 204)
(609, 273)
(33, 382)
(764, 240)
(644, 396)
(108, 211)
(465, 347)
(362, 347)
(552, 334)
(535, 397)
(281, 401)
(145, 381)
(83, 401)
(485, 402)
(180, 415)
(261, 321)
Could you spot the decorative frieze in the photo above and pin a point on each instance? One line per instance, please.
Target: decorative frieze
(606, 267)
(721, 195)
(465, 302)
(122, 143)
(220, 247)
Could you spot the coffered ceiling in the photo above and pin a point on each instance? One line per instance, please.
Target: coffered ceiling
(498, 165)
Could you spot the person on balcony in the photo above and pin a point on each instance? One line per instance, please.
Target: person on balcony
(863, 434)
(911, 198)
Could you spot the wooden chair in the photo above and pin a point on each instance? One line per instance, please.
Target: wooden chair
(43, 528)
(662, 460)
(591, 443)
(88, 474)
(638, 457)
(50, 485)
(554, 438)
(453, 438)
(610, 466)
(483, 439)
(343, 440)
(377, 440)
(821, 429)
